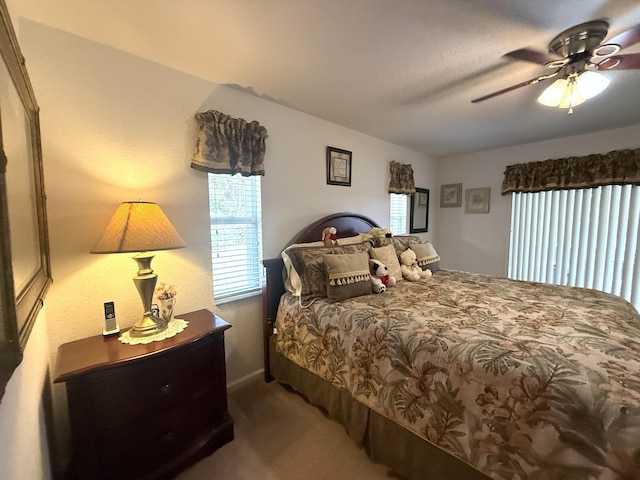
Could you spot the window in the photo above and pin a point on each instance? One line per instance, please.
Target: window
(585, 238)
(236, 235)
(398, 218)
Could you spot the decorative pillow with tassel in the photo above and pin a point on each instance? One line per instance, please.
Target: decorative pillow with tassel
(347, 276)
(427, 256)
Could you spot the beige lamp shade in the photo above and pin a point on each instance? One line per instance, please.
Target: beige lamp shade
(138, 227)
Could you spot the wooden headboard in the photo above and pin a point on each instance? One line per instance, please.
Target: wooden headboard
(346, 223)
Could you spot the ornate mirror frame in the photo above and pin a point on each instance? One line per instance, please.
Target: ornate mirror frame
(25, 270)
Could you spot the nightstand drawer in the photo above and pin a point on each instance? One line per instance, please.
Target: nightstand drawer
(128, 451)
(146, 387)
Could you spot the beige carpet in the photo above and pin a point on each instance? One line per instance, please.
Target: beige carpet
(280, 436)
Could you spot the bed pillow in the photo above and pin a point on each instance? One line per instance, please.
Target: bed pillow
(389, 257)
(402, 242)
(308, 263)
(347, 276)
(399, 242)
(292, 282)
(427, 256)
(361, 237)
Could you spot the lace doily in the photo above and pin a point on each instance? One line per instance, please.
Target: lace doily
(175, 326)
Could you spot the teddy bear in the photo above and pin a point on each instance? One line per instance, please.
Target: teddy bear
(378, 232)
(380, 278)
(409, 266)
(329, 236)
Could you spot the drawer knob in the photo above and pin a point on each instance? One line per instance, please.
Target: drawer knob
(166, 389)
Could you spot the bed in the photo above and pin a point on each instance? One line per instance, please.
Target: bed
(463, 375)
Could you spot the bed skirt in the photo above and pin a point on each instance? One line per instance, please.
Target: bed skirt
(383, 440)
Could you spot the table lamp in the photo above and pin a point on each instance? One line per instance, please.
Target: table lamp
(141, 227)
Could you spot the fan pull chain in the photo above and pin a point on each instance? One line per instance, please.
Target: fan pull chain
(572, 84)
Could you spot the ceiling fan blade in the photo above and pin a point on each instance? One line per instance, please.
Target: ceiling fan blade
(514, 87)
(627, 38)
(528, 55)
(630, 61)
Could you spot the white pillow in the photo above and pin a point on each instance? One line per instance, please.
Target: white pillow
(361, 237)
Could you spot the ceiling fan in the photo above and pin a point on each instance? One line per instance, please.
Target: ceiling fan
(577, 54)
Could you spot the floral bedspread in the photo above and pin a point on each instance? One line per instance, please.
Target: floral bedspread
(520, 380)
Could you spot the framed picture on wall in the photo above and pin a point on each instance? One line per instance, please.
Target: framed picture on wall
(338, 167)
(451, 195)
(477, 200)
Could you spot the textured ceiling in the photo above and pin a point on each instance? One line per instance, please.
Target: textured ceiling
(401, 70)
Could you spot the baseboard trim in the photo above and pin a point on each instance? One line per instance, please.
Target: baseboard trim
(247, 379)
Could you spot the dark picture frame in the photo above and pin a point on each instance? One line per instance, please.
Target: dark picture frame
(25, 270)
(338, 167)
(419, 211)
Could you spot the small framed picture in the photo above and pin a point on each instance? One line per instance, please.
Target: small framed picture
(338, 167)
(451, 195)
(477, 200)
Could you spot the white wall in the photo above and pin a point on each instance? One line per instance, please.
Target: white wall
(24, 453)
(116, 127)
(480, 242)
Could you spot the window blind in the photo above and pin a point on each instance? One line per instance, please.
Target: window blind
(236, 235)
(585, 238)
(398, 214)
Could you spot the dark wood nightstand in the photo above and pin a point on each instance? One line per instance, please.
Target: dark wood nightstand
(146, 411)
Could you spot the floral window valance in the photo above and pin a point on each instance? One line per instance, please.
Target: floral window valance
(619, 167)
(401, 179)
(229, 145)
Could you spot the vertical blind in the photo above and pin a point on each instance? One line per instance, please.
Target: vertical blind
(398, 214)
(584, 237)
(236, 235)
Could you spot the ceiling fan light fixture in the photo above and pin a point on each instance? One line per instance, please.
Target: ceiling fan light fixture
(553, 94)
(591, 84)
(573, 90)
(571, 99)
(571, 96)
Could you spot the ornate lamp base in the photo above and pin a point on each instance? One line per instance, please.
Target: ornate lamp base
(145, 281)
(148, 326)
